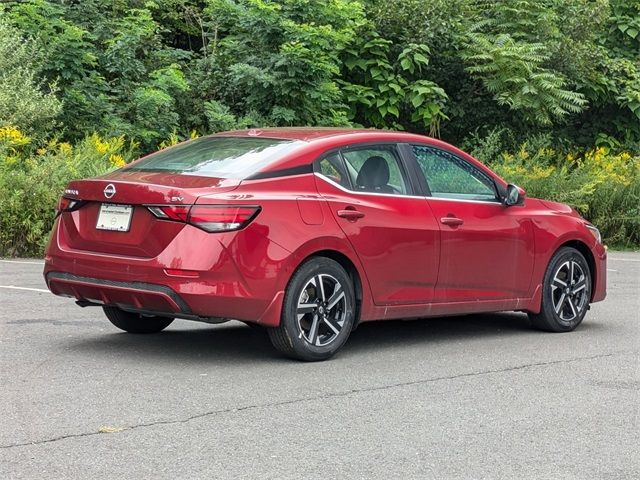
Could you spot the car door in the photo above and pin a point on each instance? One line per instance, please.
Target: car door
(486, 248)
(392, 229)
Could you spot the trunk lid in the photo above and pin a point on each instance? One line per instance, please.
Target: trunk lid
(137, 188)
(146, 235)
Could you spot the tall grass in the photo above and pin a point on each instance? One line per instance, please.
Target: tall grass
(32, 180)
(603, 186)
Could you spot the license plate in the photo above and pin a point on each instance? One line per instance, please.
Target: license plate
(114, 217)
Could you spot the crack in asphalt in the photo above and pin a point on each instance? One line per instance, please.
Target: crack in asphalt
(343, 393)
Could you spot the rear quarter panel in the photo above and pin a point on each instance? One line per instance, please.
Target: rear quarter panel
(294, 218)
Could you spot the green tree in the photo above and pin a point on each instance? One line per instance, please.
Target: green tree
(512, 71)
(25, 100)
(280, 60)
(385, 93)
(112, 69)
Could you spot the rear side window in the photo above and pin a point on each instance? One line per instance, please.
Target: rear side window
(375, 169)
(222, 157)
(332, 167)
(449, 176)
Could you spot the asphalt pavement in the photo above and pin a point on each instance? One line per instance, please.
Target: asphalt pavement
(473, 397)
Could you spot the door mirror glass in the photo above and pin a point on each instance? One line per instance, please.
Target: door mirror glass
(515, 195)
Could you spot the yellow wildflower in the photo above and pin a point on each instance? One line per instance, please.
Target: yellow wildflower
(65, 148)
(101, 146)
(117, 160)
(523, 153)
(13, 136)
(169, 142)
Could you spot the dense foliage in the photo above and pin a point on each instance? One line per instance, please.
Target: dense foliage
(500, 77)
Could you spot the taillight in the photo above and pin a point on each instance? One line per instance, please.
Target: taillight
(222, 218)
(210, 218)
(178, 213)
(67, 205)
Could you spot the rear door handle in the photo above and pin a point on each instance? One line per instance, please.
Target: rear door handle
(350, 214)
(451, 221)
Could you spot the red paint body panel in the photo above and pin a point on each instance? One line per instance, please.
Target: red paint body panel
(409, 263)
(397, 242)
(480, 259)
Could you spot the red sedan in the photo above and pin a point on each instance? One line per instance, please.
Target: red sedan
(308, 232)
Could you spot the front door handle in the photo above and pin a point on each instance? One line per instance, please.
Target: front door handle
(350, 214)
(451, 221)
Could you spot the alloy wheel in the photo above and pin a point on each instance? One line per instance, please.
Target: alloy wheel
(569, 291)
(321, 310)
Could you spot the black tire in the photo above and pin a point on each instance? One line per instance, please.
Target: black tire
(566, 292)
(315, 323)
(134, 322)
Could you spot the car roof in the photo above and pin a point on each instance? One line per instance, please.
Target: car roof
(316, 140)
(308, 134)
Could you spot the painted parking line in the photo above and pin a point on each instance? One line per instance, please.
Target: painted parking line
(13, 287)
(611, 270)
(22, 262)
(624, 259)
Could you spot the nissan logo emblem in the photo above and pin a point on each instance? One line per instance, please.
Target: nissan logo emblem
(109, 190)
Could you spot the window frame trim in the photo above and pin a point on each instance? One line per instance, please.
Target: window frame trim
(413, 190)
(317, 170)
(497, 191)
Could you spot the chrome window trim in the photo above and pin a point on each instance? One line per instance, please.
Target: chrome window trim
(395, 195)
(494, 202)
(463, 160)
(355, 192)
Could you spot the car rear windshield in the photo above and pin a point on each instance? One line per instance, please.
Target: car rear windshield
(222, 157)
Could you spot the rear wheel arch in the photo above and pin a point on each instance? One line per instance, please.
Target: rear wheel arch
(318, 311)
(346, 263)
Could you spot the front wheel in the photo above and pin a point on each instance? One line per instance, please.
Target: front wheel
(318, 311)
(566, 292)
(135, 322)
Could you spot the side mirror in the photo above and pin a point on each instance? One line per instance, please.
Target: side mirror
(515, 196)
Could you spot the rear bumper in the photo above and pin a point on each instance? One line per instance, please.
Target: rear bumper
(215, 283)
(137, 295)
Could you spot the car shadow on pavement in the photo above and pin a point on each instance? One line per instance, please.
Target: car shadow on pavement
(438, 330)
(233, 342)
(230, 342)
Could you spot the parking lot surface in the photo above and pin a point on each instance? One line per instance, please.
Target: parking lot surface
(481, 396)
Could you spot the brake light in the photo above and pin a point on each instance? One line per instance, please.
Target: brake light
(210, 218)
(222, 218)
(179, 213)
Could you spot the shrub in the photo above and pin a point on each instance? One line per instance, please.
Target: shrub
(24, 101)
(32, 179)
(603, 186)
